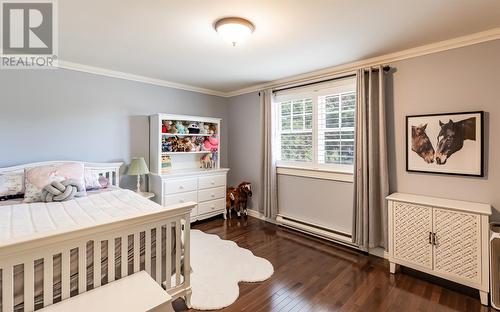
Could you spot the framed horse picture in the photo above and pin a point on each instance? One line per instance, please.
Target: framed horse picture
(450, 143)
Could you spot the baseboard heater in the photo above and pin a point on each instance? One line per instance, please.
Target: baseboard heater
(315, 230)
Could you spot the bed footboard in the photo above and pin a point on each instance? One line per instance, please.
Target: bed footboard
(38, 273)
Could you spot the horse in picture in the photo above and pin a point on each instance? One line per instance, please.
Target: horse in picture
(421, 144)
(452, 136)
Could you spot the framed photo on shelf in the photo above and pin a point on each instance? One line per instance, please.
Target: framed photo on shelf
(450, 143)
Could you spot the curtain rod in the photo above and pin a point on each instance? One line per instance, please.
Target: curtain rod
(386, 69)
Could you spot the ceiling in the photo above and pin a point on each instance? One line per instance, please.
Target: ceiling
(174, 40)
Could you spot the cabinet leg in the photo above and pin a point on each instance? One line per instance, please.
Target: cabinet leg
(393, 267)
(484, 297)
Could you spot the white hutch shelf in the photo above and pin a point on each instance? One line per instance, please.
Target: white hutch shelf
(184, 180)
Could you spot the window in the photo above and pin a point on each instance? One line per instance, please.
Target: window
(316, 126)
(296, 130)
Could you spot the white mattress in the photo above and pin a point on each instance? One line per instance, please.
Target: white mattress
(22, 221)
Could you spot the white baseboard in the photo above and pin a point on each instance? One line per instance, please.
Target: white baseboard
(259, 215)
(378, 252)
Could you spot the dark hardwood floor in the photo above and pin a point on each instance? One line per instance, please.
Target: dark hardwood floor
(316, 275)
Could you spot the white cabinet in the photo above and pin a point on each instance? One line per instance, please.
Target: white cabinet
(205, 187)
(446, 238)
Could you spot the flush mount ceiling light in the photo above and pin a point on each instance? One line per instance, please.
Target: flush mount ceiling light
(234, 29)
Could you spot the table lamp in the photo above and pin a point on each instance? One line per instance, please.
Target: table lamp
(138, 167)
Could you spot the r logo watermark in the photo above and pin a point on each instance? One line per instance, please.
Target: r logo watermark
(29, 34)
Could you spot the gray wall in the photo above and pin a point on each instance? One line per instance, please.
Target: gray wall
(63, 114)
(464, 79)
(245, 147)
(457, 80)
(322, 202)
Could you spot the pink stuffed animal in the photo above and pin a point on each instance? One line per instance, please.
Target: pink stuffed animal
(211, 143)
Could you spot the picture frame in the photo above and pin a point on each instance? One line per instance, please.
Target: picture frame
(446, 143)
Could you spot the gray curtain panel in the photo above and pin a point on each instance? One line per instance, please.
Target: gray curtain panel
(269, 191)
(371, 177)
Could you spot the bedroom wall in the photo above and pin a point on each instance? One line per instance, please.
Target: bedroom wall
(462, 79)
(245, 148)
(63, 114)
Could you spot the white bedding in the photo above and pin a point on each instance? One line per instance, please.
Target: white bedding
(22, 221)
(27, 221)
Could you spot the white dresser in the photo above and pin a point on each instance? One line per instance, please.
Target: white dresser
(442, 237)
(206, 187)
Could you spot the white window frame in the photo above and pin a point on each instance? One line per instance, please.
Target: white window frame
(314, 92)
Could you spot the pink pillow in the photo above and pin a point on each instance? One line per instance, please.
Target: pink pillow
(36, 178)
(91, 180)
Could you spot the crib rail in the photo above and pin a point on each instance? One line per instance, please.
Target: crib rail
(40, 272)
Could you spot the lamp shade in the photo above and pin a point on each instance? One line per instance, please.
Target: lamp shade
(138, 166)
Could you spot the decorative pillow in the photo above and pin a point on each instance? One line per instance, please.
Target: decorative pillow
(103, 182)
(36, 178)
(11, 185)
(91, 180)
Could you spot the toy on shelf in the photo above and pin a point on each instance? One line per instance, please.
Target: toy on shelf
(214, 159)
(164, 126)
(201, 126)
(194, 128)
(172, 128)
(166, 145)
(211, 142)
(198, 143)
(181, 129)
(206, 161)
(166, 164)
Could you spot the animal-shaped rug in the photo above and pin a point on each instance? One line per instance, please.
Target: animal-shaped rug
(217, 268)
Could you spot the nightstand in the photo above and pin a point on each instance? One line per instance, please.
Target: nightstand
(146, 194)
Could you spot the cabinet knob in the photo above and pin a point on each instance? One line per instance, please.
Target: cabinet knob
(181, 201)
(213, 195)
(181, 187)
(213, 182)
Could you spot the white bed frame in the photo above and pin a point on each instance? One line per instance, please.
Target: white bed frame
(27, 252)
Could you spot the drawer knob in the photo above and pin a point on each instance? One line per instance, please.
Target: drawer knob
(212, 207)
(213, 195)
(181, 187)
(213, 182)
(181, 201)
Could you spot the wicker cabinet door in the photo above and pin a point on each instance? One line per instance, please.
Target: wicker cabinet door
(412, 225)
(457, 249)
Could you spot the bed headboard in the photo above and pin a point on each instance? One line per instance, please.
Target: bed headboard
(109, 170)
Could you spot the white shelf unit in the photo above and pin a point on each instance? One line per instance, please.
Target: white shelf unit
(179, 160)
(186, 181)
(443, 237)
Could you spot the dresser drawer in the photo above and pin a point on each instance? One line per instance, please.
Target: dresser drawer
(179, 186)
(211, 194)
(211, 206)
(211, 181)
(180, 198)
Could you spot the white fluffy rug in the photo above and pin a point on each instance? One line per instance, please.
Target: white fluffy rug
(217, 267)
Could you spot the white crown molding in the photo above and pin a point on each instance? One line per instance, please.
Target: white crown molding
(463, 41)
(127, 76)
